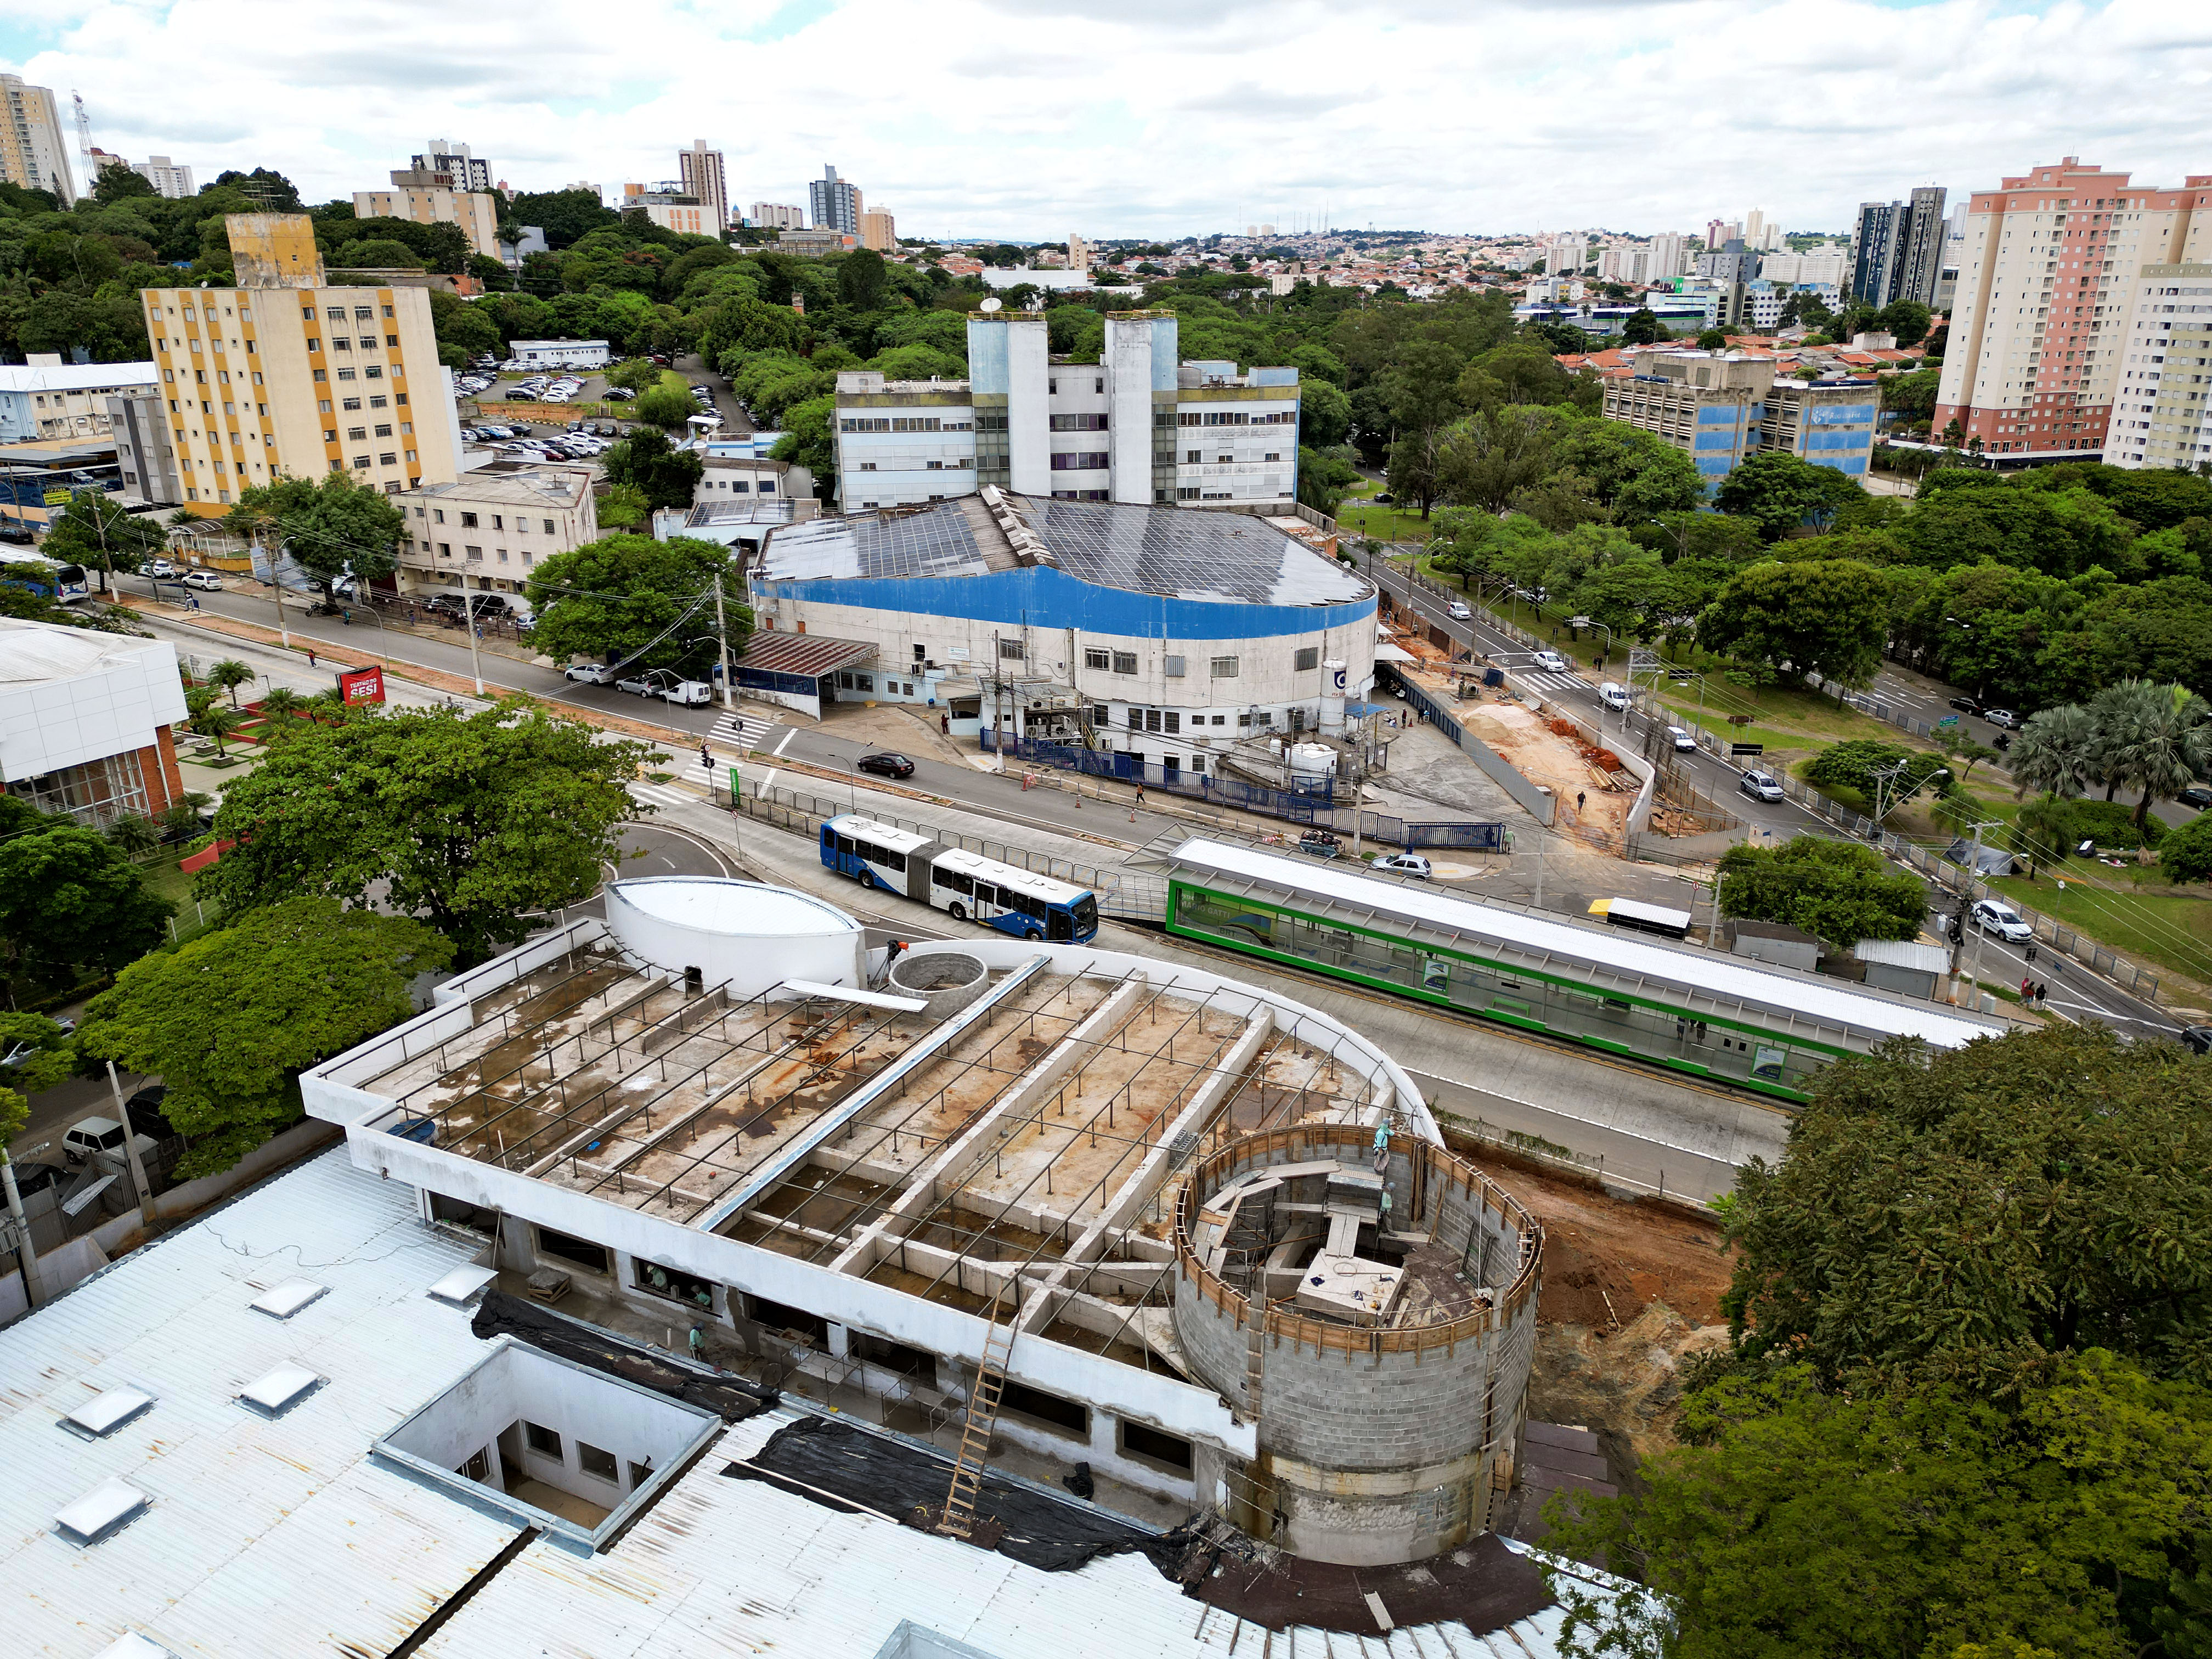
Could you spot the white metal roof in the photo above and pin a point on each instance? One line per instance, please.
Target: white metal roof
(278, 1535)
(738, 1567)
(75, 377)
(1728, 978)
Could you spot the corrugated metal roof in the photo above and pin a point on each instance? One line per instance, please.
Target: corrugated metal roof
(778, 652)
(729, 1567)
(1904, 953)
(262, 1536)
(1724, 977)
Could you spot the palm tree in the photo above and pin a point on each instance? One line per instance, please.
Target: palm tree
(280, 701)
(135, 833)
(2040, 832)
(2118, 711)
(2165, 745)
(230, 674)
(216, 722)
(2056, 752)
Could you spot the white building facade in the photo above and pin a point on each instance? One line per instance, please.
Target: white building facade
(2161, 410)
(1139, 426)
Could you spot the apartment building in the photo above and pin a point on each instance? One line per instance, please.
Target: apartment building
(33, 153)
(2053, 266)
(145, 451)
(2162, 406)
(45, 398)
(836, 202)
(416, 195)
(775, 215)
(284, 375)
(671, 210)
(1138, 427)
(1898, 253)
(167, 177)
(878, 231)
(462, 168)
(1759, 232)
(1721, 408)
(705, 181)
(489, 529)
(1827, 266)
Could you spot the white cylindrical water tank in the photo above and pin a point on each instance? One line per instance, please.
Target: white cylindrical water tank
(745, 935)
(1331, 697)
(1313, 760)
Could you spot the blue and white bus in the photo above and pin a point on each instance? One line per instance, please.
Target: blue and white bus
(52, 577)
(966, 887)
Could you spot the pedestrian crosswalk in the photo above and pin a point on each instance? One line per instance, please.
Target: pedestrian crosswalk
(741, 729)
(1544, 682)
(660, 794)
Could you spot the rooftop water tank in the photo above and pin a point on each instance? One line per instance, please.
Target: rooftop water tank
(744, 935)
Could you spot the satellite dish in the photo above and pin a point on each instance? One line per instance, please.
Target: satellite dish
(992, 304)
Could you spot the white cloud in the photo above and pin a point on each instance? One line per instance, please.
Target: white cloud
(1031, 118)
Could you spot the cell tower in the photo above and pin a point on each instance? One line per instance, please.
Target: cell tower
(84, 140)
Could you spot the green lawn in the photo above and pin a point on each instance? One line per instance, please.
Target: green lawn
(2161, 929)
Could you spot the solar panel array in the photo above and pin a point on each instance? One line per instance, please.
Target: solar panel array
(937, 543)
(1186, 552)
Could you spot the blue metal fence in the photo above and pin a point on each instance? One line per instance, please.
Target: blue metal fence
(1291, 806)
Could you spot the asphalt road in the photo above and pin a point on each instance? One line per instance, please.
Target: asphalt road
(2076, 992)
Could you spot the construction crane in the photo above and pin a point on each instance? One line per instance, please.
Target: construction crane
(84, 140)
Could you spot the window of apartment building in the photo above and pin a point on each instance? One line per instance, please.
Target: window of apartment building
(378, 402)
(322, 405)
(320, 375)
(362, 314)
(338, 313)
(1079, 423)
(1080, 461)
(1012, 650)
(361, 462)
(357, 431)
(1193, 457)
(1052, 388)
(445, 550)
(868, 466)
(1309, 657)
(392, 340)
(468, 521)
(388, 459)
(339, 342)
(548, 526)
(1187, 492)
(383, 430)
(438, 514)
(398, 398)
(1274, 455)
(312, 344)
(1224, 668)
(1173, 668)
(387, 311)
(990, 424)
(307, 312)
(474, 554)
(1097, 656)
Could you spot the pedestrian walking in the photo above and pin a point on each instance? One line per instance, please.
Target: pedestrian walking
(310, 657)
(2026, 990)
(2042, 994)
(1579, 798)
(1140, 795)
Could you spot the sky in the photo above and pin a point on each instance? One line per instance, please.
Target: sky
(1032, 118)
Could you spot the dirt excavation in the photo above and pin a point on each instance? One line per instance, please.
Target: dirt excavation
(1631, 1291)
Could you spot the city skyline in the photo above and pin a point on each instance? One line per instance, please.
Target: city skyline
(1097, 123)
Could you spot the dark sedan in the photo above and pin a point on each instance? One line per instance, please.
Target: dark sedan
(886, 765)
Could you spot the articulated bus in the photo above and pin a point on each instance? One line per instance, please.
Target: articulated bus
(966, 887)
(41, 574)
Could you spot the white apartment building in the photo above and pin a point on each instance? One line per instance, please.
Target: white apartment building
(2054, 263)
(166, 177)
(487, 530)
(32, 151)
(1137, 426)
(704, 177)
(776, 216)
(1829, 264)
(2162, 409)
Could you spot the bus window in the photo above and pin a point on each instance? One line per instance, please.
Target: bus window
(954, 881)
(892, 861)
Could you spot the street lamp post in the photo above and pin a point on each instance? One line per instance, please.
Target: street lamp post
(469, 620)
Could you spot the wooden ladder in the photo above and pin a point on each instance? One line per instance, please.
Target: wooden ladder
(958, 1520)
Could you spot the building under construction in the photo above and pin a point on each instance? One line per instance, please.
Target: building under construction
(1104, 1209)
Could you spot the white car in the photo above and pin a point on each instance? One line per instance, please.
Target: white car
(1760, 786)
(1551, 660)
(2002, 717)
(99, 1141)
(163, 570)
(1403, 864)
(1458, 611)
(589, 673)
(206, 580)
(2001, 920)
(1682, 740)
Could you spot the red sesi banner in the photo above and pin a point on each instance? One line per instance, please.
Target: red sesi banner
(362, 684)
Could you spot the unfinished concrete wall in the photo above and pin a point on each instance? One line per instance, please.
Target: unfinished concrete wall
(1375, 1445)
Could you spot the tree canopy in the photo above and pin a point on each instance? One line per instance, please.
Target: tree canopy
(1835, 891)
(70, 902)
(230, 1019)
(475, 823)
(632, 599)
(1824, 616)
(331, 528)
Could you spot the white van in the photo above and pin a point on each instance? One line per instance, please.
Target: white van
(1613, 694)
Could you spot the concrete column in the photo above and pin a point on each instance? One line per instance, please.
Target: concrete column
(1128, 359)
(1028, 422)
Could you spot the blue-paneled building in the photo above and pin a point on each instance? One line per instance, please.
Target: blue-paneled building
(1724, 407)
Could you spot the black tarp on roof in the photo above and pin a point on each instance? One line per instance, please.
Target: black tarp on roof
(732, 1397)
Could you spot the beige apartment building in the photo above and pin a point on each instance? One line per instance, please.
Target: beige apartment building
(2050, 272)
(33, 153)
(413, 196)
(2162, 413)
(487, 530)
(284, 375)
(878, 230)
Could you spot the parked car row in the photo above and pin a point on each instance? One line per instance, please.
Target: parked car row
(2004, 718)
(662, 683)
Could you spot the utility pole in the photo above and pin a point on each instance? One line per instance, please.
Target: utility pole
(277, 588)
(723, 632)
(469, 609)
(138, 1182)
(26, 1254)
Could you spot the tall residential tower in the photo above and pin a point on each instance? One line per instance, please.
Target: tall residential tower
(1900, 249)
(704, 179)
(33, 153)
